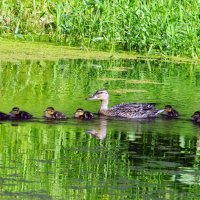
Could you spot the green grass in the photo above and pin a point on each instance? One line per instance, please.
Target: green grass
(153, 27)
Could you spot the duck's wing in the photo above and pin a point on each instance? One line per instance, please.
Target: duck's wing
(134, 106)
(4, 115)
(25, 115)
(88, 115)
(174, 113)
(134, 110)
(59, 115)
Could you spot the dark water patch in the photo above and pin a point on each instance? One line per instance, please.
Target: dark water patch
(7, 179)
(29, 194)
(86, 149)
(25, 181)
(44, 161)
(162, 164)
(14, 175)
(3, 167)
(46, 172)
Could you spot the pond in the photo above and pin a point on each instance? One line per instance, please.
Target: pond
(122, 159)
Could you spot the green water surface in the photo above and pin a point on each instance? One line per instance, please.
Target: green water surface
(122, 159)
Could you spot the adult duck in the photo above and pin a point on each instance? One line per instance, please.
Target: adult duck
(126, 110)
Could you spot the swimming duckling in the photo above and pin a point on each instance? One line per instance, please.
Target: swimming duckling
(16, 113)
(196, 117)
(170, 112)
(51, 113)
(126, 110)
(4, 116)
(81, 114)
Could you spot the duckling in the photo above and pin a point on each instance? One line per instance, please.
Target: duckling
(51, 113)
(16, 113)
(81, 114)
(170, 112)
(196, 117)
(4, 116)
(126, 110)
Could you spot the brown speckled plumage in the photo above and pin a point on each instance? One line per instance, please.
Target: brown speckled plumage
(127, 110)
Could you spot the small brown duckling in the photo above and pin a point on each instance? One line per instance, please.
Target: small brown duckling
(81, 114)
(51, 113)
(16, 113)
(4, 116)
(170, 112)
(196, 117)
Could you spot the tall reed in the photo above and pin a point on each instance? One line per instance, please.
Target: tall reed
(164, 27)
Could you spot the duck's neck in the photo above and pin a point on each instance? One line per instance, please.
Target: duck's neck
(104, 105)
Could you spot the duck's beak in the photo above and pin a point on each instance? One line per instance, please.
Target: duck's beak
(92, 132)
(93, 97)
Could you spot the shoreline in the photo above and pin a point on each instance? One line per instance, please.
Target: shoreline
(14, 50)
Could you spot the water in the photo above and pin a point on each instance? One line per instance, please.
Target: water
(104, 158)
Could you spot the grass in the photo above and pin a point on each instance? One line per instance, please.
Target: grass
(12, 50)
(151, 27)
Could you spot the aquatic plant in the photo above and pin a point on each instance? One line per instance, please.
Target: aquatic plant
(166, 27)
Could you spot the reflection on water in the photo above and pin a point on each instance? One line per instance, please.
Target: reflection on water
(103, 158)
(101, 131)
(62, 160)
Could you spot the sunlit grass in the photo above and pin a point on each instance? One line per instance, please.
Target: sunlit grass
(152, 27)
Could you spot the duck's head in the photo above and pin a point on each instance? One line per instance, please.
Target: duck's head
(168, 108)
(196, 115)
(15, 111)
(50, 111)
(99, 95)
(79, 112)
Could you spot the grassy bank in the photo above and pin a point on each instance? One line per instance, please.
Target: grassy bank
(154, 27)
(12, 50)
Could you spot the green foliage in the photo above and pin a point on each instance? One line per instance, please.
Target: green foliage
(167, 27)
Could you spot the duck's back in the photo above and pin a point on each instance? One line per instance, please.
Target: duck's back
(59, 115)
(88, 115)
(133, 110)
(3, 116)
(24, 115)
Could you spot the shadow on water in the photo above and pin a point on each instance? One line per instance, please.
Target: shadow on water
(104, 158)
